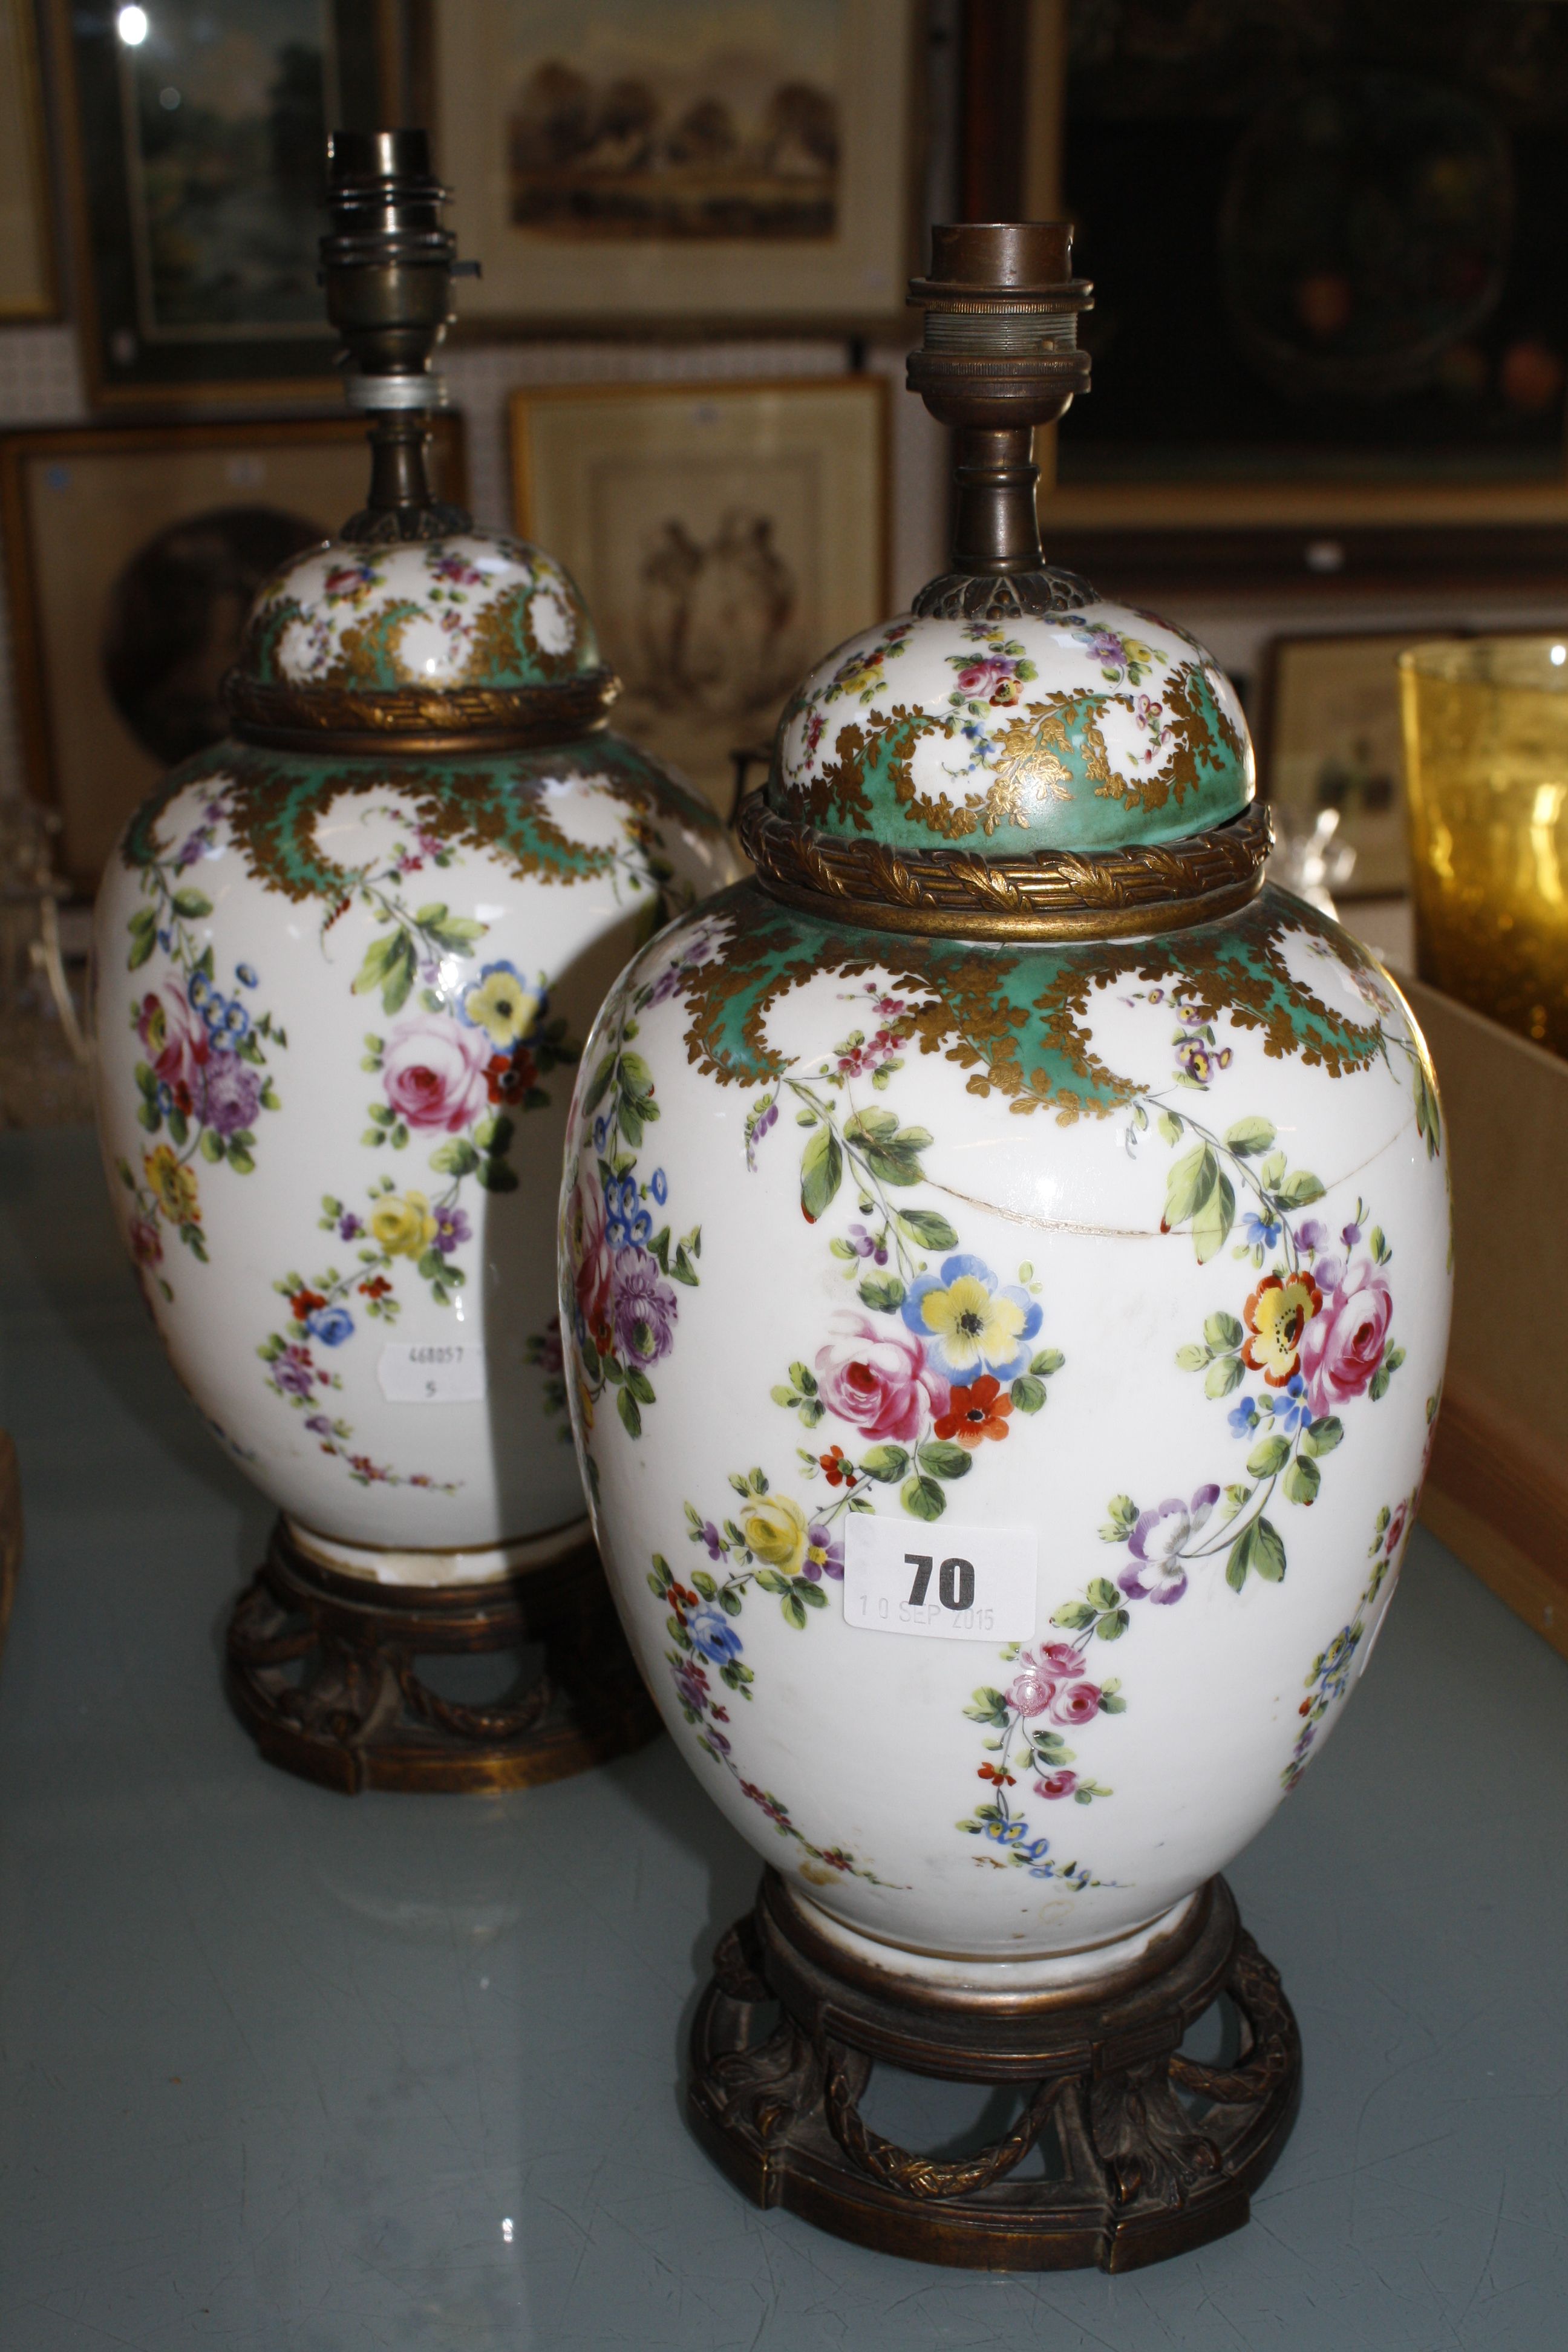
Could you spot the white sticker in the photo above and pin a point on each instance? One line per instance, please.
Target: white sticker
(959, 1584)
(445, 1371)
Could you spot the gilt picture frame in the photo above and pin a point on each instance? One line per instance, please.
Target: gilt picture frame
(132, 553)
(726, 536)
(28, 286)
(666, 168)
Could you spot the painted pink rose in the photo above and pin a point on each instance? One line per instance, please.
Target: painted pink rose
(1343, 1344)
(1035, 1683)
(1395, 1536)
(435, 1073)
(592, 1261)
(878, 1381)
(174, 1041)
(1078, 1703)
(1056, 1784)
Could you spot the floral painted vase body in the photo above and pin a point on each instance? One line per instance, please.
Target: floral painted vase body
(890, 1259)
(340, 994)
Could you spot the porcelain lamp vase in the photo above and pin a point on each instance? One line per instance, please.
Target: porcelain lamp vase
(345, 963)
(1005, 1284)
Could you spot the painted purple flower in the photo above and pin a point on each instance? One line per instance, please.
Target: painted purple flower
(319, 1425)
(230, 1094)
(691, 1686)
(452, 1226)
(294, 1371)
(824, 1556)
(1158, 1544)
(865, 1245)
(1200, 1061)
(1312, 1234)
(713, 1540)
(350, 1227)
(642, 1308)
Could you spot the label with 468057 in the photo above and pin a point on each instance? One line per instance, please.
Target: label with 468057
(958, 1584)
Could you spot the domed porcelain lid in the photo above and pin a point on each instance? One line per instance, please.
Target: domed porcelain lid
(470, 610)
(1088, 728)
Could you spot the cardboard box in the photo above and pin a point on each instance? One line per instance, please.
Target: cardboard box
(1497, 1493)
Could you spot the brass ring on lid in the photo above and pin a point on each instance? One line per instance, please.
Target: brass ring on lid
(1055, 894)
(406, 719)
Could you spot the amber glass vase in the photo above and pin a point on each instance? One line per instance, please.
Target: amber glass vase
(1485, 750)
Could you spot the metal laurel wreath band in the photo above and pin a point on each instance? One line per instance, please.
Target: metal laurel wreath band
(473, 717)
(1056, 894)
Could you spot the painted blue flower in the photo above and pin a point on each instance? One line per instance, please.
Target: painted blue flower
(659, 1185)
(200, 990)
(713, 1634)
(1262, 1231)
(331, 1325)
(246, 974)
(628, 1224)
(969, 1324)
(235, 1019)
(1243, 1416)
(1291, 1410)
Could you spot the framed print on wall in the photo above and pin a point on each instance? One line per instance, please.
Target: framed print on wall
(194, 141)
(1331, 255)
(1331, 739)
(681, 163)
(27, 246)
(132, 555)
(725, 536)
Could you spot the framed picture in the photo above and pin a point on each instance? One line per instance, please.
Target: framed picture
(650, 164)
(726, 537)
(1331, 255)
(1331, 739)
(132, 555)
(194, 141)
(26, 247)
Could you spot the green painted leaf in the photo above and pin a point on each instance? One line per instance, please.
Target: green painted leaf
(1227, 1372)
(1222, 1332)
(1073, 1616)
(602, 1076)
(812, 1594)
(821, 1174)
(1111, 1629)
(944, 1460)
(1323, 1435)
(211, 1145)
(1213, 1220)
(928, 1227)
(626, 1406)
(192, 906)
(458, 1158)
(1302, 1480)
(639, 1384)
(883, 1292)
(1191, 1358)
(922, 1498)
(1297, 1191)
(1048, 1360)
(1103, 1593)
(794, 1611)
(1189, 1184)
(871, 1127)
(1268, 1457)
(1249, 1136)
(886, 1463)
(1267, 1550)
(1027, 1393)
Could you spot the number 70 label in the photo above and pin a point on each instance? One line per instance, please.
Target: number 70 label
(973, 1584)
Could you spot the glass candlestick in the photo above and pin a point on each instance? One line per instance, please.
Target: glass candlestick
(1486, 747)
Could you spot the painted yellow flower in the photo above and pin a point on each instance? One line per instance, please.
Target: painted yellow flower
(775, 1529)
(502, 1004)
(173, 1187)
(1277, 1314)
(403, 1224)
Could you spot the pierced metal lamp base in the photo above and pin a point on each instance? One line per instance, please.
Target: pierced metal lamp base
(323, 1669)
(1154, 2153)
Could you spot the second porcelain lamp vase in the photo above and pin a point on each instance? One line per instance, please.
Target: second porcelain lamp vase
(345, 963)
(1040, 1275)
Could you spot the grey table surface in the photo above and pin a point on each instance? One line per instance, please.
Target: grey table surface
(286, 2072)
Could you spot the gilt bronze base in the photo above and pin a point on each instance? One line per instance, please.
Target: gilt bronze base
(1147, 2152)
(323, 1670)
